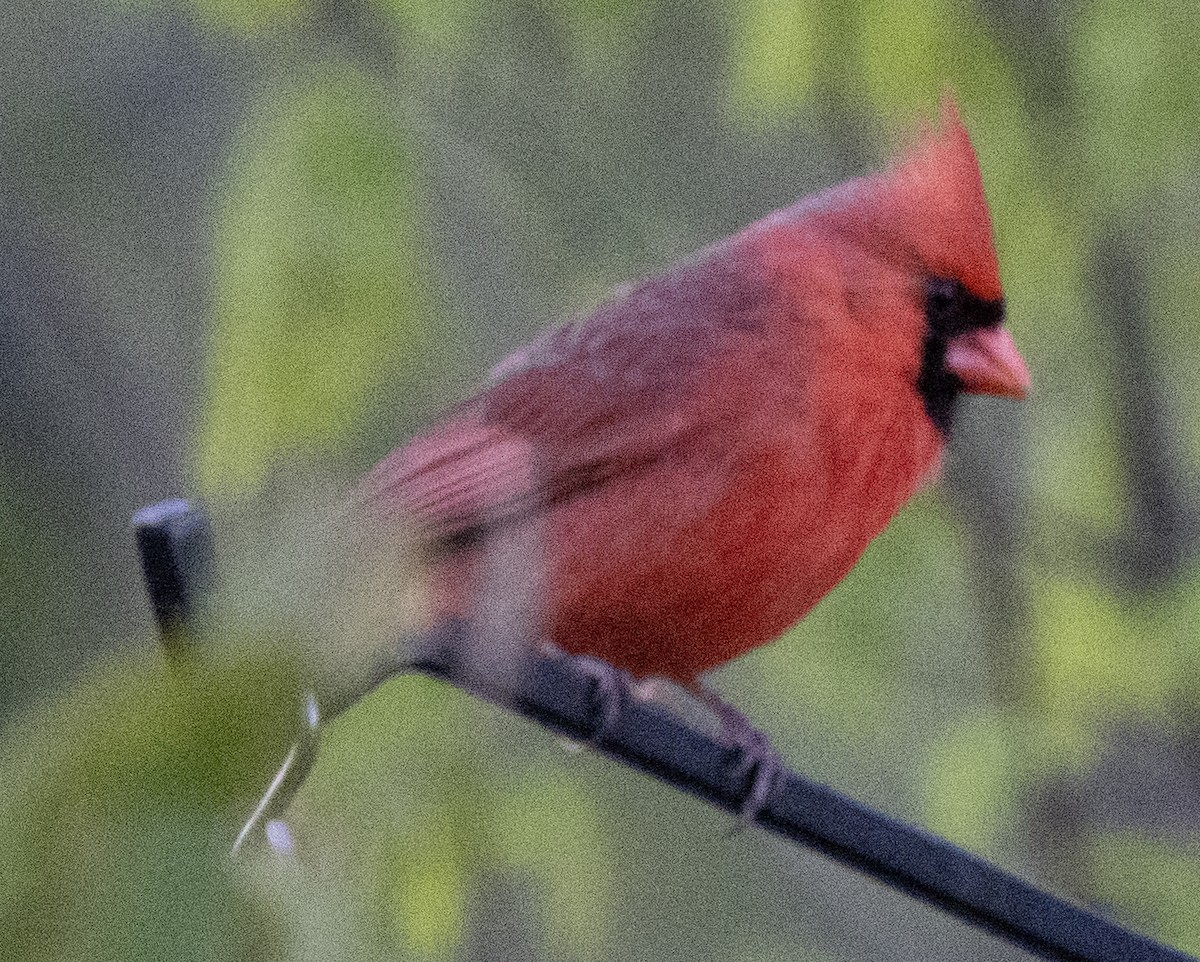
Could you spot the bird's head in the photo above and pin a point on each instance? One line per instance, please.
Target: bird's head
(923, 224)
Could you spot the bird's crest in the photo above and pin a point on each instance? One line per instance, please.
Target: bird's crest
(926, 211)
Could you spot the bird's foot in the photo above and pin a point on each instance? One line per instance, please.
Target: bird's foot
(609, 695)
(760, 763)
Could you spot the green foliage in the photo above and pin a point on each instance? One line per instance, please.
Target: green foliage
(1096, 659)
(119, 801)
(321, 291)
(418, 796)
(973, 775)
(1134, 79)
(1155, 881)
(394, 804)
(600, 34)
(427, 887)
(772, 59)
(549, 829)
(441, 26)
(243, 16)
(910, 50)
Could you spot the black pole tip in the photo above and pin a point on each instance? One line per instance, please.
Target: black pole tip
(174, 539)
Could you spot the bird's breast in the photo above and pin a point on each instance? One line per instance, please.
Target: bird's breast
(699, 559)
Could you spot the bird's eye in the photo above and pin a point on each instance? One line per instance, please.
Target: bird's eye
(950, 309)
(943, 305)
(941, 293)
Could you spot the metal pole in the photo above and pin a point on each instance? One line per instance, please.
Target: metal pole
(561, 695)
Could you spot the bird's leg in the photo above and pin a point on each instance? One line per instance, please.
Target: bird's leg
(760, 761)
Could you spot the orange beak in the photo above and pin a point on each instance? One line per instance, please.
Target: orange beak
(987, 361)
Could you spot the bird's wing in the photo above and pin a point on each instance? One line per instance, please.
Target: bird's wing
(596, 398)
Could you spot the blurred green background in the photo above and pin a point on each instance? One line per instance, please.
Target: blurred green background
(250, 245)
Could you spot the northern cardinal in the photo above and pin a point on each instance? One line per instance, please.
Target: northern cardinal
(710, 452)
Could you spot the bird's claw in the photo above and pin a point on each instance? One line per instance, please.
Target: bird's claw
(758, 763)
(608, 694)
(761, 765)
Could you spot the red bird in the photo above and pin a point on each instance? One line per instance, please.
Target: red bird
(704, 457)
